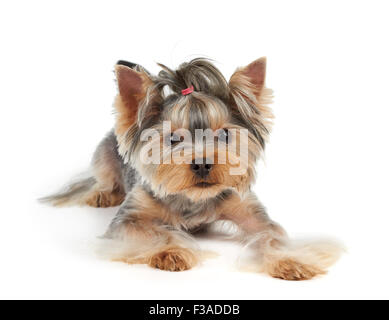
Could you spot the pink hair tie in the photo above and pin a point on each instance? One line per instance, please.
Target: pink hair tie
(187, 91)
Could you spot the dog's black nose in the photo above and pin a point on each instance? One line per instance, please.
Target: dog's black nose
(202, 170)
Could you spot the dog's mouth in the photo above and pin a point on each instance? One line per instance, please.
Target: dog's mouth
(204, 184)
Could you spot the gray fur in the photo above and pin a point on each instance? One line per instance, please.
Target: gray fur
(108, 149)
(155, 220)
(210, 84)
(71, 194)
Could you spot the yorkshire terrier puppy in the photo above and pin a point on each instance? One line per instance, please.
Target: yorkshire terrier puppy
(181, 157)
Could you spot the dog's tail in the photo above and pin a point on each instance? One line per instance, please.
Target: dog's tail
(72, 194)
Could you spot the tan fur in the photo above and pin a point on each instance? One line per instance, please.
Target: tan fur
(154, 245)
(178, 178)
(166, 203)
(104, 199)
(149, 209)
(277, 255)
(289, 269)
(246, 89)
(107, 172)
(125, 116)
(247, 215)
(174, 259)
(130, 95)
(168, 258)
(298, 260)
(109, 189)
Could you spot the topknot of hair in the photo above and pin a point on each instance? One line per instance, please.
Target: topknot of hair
(199, 73)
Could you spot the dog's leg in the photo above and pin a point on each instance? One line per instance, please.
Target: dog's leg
(107, 170)
(277, 255)
(144, 231)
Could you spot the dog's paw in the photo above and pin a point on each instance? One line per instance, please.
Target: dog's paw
(104, 199)
(173, 259)
(290, 269)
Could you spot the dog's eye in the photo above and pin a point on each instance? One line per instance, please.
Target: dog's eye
(223, 135)
(175, 138)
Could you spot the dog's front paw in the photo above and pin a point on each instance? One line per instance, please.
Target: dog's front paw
(290, 269)
(173, 259)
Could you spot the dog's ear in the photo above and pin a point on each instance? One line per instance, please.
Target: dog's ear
(251, 76)
(251, 98)
(132, 85)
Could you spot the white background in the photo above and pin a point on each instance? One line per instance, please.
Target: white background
(326, 170)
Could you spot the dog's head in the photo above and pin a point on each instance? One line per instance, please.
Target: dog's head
(189, 131)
